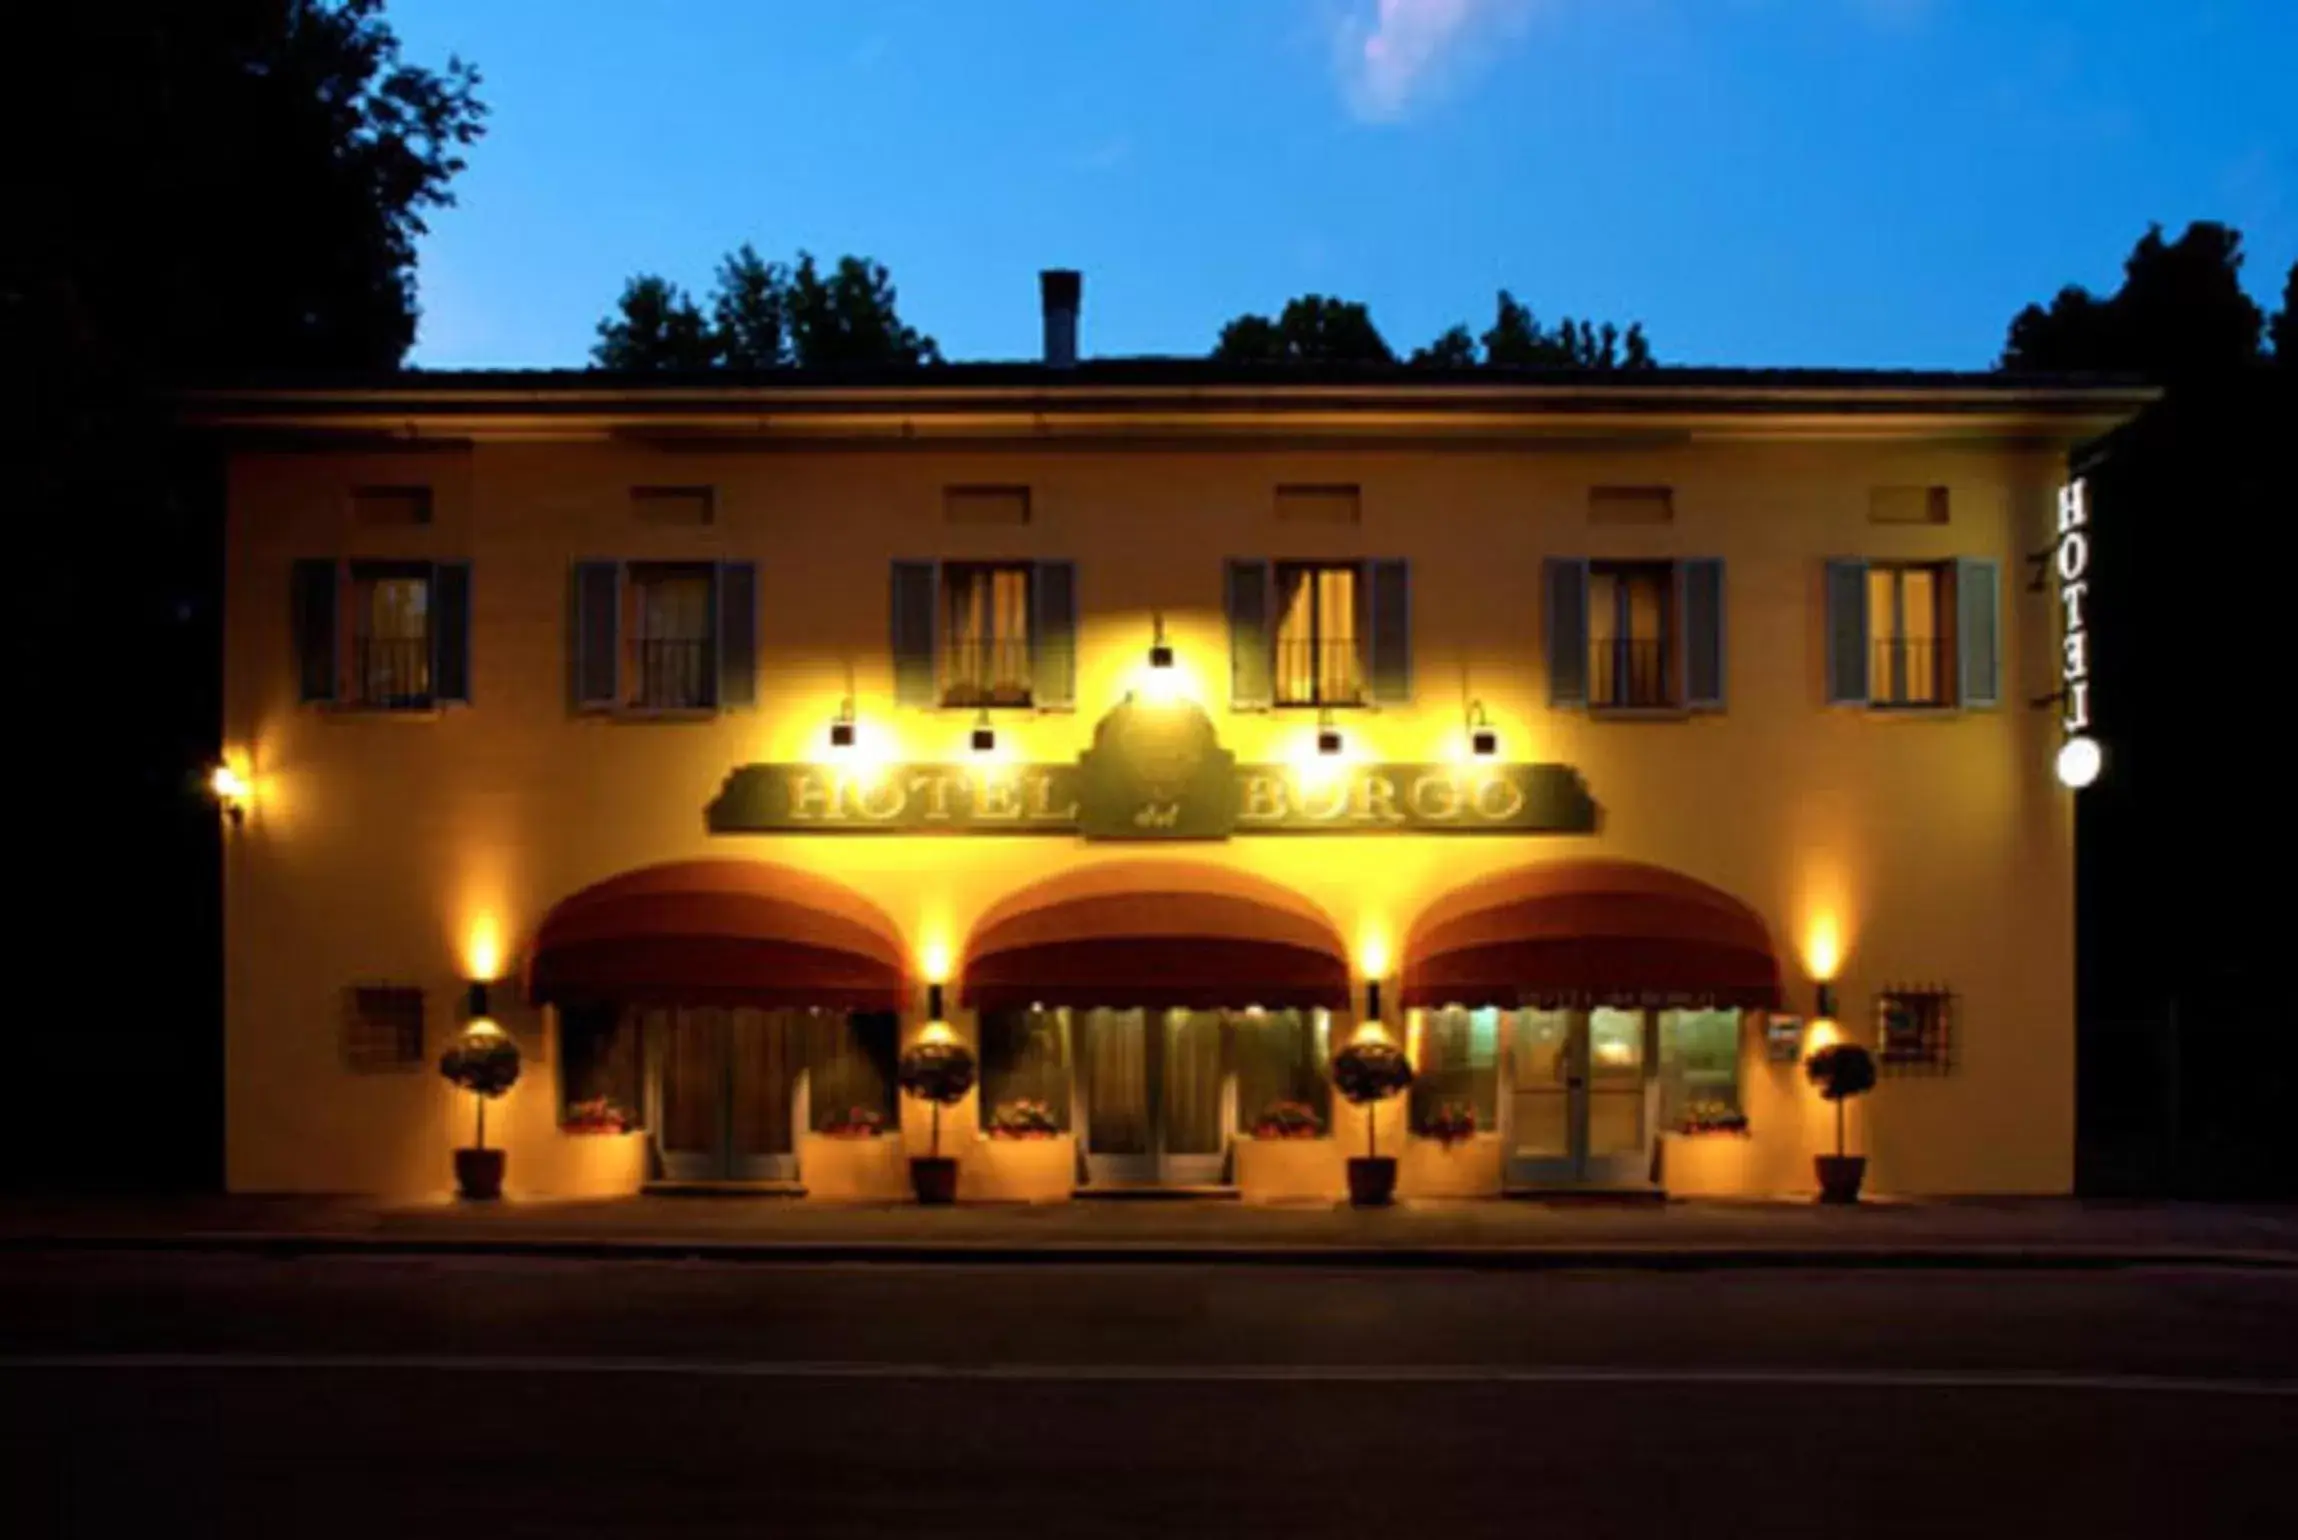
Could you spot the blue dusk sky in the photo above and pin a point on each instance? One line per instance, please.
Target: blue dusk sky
(1761, 182)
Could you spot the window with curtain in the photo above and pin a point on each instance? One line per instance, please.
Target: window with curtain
(1024, 1057)
(1318, 660)
(1699, 1070)
(1280, 1057)
(985, 634)
(601, 1064)
(390, 636)
(850, 1065)
(669, 636)
(1459, 1065)
(1632, 635)
(1909, 662)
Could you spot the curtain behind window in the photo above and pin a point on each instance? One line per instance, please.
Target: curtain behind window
(1024, 1057)
(1459, 1062)
(850, 1063)
(1280, 1057)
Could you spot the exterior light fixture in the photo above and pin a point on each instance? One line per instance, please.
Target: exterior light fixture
(1372, 1000)
(1328, 736)
(842, 725)
(1160, 650)
(478, 1017)
(2079, 763)
(934, 1001)
(231, 792)
(984, 735)
(1483, 737)
(1823, 1006)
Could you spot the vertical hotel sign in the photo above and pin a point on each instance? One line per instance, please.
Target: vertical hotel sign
(2079, 755)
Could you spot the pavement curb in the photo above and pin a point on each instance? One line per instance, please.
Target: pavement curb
(1621, 1256)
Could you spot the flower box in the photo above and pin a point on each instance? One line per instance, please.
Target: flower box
(1457, 1168)
(845, 1168)
(1290, 1170)
(1038, 1168)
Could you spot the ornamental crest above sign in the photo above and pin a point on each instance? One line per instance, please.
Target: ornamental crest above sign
(1153, 772)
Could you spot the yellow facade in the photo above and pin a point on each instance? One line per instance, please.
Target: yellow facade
(1878, 847)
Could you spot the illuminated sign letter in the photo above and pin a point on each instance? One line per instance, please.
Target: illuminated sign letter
(1499, 799)
(1435, 798)
(1376, 799)
(810, 796)
(1261, 799)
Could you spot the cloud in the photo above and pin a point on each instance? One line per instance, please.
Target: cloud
(1409, 51)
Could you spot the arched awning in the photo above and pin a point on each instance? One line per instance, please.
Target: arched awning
(719, 933)
(1155, 934)
(1590, 932)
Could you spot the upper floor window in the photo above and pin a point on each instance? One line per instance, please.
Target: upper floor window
(381, 635)
(1635, 636)
(1318, 658)
(1912, 634)
(985, 634)
(1319, 633)
(986, 658)
(664, 637)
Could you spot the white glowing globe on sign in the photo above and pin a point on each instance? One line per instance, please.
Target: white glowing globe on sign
(2079, 762)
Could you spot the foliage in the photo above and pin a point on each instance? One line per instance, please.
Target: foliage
(599, 1115)
(1841, 1071)
(1288, 1120)
(856, 1123)
(761, 316)
(2284, 327)
(1027, 1118)
(2180, 316)
(1449, 1123)
(1312, 329)
(937, 1072)
(1711, 1117)
(483, 1063)
(1369, 1070)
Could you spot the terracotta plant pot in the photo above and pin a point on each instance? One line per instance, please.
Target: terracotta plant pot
(1839, 1177)
(1371, 1180)
(934, 1178)
(479, 1173)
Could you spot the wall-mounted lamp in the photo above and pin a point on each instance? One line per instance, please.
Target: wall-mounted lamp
(1329, 741)
(842, 725)
(231, 793)
(984, 735)
(934, 1002)
(1823, 1001)
(478, 1017)
(1483, 737)
(1160, 650)
(1372, 1000)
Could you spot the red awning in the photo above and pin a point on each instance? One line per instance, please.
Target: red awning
(1155, 934)
(1590, 932)
(719, 933)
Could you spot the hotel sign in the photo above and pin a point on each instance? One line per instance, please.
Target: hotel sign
(1153, 774)
(2079, 755)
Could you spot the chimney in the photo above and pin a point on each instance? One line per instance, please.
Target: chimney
(1060, 289)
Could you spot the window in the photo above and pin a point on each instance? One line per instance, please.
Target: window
(1699, 1070)
(601, 1060)
(382, 635)
(670, 657)
(985, 651)
(383, 1029)
(1280, 1056)
(850, 1063)
(1631, 635)
(1908, 637)
(1913, 1028)
(1318, 663)
(1024, 1057)
(1459, 1066)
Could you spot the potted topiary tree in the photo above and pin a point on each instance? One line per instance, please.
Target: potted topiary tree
(1367, 1072)
(1841, 1071)
(485, 1062)
(938, 1073)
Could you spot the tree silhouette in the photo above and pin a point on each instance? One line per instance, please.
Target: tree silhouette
(2285, 324)
(1312, 329)
(764, 315)
(1453, 349)
(1517, 340)
(2180, 315)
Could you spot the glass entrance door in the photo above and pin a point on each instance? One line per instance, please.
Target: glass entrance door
(1579, 1098)
(727, 1083)
(1151, 1097)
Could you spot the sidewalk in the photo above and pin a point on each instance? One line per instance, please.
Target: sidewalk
(2039, 1233)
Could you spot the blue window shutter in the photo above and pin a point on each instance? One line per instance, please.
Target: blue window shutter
(1567, 630)
(1252, 654)
(317, 629)
(595, 632)
(451, 632)
(916, 597)
(1978, 631)
(1700, 629)
(737, 634)
(1847, 650)
(1388, 637)
(1053, 635)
